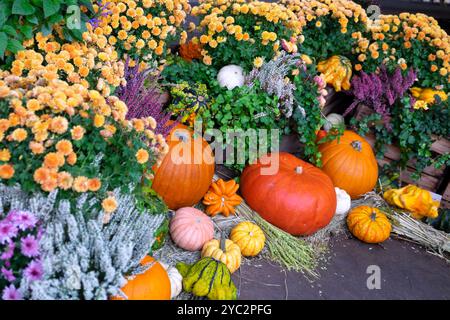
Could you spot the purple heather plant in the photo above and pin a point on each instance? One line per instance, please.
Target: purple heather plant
(143, 98)
(101, 12)
(381, 90)
(20, 233)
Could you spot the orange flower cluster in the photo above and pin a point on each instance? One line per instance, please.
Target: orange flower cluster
(412, 40)
(218, 23)
(45, 122)
(93, 63)
(341, 10)
(143, 28)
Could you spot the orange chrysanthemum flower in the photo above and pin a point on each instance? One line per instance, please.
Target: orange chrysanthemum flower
(64, 147)
(142, 156)
(36, 147)
(5, 155)
(109, 204)
(65, 180)
(71, 159)
(77, 133)
(94, 184)
(80, 184)
(6, 171)
(59, 125)
(53, 160)
(19, 135)
(41, 175)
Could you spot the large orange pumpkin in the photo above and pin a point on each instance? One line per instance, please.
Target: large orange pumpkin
(186, 172)
(298, 198)
(153, 284)
(350, 163)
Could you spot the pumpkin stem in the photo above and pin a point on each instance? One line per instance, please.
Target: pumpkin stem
(373, 215)
(299, 170)
(357, 145)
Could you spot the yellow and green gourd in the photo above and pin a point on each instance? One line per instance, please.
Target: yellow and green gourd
(208, 278)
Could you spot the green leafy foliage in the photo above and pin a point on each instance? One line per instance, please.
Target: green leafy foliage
(241, 109)
(412, 131)
(308, 117)
(179, 70)
(20, 19)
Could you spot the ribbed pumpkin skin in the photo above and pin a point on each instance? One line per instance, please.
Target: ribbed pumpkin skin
(249, 237)
(183, 178)
(190, 228)
(369, 224)
(153, 284)
(231, 256)
(354, 171)
(298, 203)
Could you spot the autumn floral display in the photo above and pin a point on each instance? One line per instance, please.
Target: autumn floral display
(330, 27)
(242, 32)
(410, 41)
(56, 135)
(92, 63)
(85, 113)
(143, 29)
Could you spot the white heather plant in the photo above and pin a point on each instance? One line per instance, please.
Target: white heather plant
(272, 78)
(84, 257)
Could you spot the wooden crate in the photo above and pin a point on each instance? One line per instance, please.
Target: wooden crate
(432, 179)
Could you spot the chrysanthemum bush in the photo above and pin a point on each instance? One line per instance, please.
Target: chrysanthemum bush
(143, 29)
(330, 27)
(238, 31)
(20, 234)
(410, 41)
(59, 135)
(92, 62)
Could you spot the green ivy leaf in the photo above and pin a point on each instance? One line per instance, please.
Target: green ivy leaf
(10, 31)
(27, 31)
(22, 7)
(51, 7)
(3, 41)
(14, 46)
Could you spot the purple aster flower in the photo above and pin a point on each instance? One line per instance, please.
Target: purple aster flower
(11, 293)
(7, 231)
(9, 252)
(29, 246)
(8, 274)
(34, 270)
(23, 220)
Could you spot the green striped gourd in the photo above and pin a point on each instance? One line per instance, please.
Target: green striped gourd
(208, 278)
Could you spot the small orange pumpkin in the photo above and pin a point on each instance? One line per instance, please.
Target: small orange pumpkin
(222, 198)
(153, 284)
(369, 224)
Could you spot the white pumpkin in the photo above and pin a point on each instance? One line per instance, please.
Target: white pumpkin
(335, 120)
(176, 280)
(231, 76)
(344, 201)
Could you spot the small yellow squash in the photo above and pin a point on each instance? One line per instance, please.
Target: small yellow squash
(249, 237)
(225, 251)
(337, 71)
(413, 199)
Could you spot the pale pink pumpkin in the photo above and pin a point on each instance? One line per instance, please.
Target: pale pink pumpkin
(190, 228)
